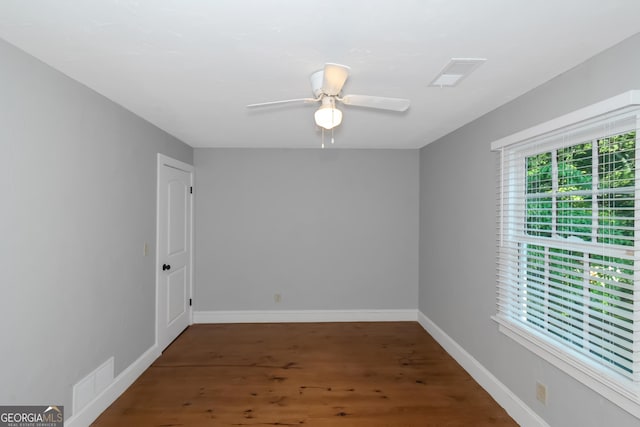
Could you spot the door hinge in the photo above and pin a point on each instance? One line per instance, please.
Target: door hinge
(190, 302)
(190, 190)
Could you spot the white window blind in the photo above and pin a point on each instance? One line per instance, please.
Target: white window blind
(569, 243)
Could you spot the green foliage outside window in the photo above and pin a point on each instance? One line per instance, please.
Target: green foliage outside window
(572, 196)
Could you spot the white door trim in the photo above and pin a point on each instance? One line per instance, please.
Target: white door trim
(177, 164)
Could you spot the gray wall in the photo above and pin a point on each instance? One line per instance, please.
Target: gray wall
(78, 176)
(327, 229)
(458, 235)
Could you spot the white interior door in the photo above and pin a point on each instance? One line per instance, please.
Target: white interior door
(173, 259)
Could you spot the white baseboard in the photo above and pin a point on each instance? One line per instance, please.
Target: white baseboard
(515, 407)
(304, 316)
(93, 409)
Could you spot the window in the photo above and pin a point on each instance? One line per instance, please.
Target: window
(569, 245)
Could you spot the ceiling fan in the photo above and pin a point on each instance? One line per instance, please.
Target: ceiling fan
(326, 85)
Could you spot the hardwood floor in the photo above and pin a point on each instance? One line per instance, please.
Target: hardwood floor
(388, 374)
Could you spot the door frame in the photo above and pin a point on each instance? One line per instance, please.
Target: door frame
(163, 161)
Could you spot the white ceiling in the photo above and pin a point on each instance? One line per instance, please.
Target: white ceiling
(191, 66)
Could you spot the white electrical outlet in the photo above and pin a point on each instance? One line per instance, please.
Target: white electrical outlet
(541, 393)
(277, 298)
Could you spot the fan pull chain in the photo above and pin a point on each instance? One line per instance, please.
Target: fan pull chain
(322, 140)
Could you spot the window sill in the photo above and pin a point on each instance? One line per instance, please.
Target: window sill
(610, 385)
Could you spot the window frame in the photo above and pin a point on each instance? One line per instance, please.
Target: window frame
(611, 385)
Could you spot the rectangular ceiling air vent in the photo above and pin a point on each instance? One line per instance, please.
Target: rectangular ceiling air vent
(455, 71)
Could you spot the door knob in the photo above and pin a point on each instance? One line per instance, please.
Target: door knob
(166, 267)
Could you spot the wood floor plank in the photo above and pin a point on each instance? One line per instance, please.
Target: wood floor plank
(325, 374)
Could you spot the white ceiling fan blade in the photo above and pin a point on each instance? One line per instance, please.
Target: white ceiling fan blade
(334, 77)
(382, 103)
(286, 101)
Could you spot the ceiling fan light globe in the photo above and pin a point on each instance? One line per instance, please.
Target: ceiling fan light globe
(328, 117)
